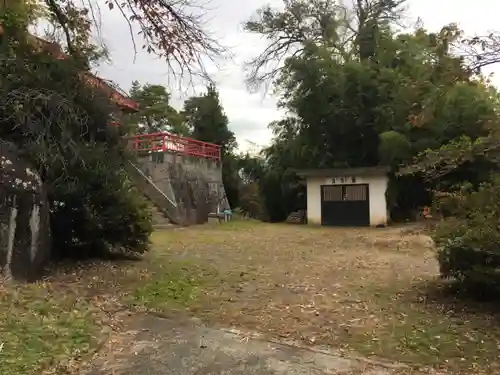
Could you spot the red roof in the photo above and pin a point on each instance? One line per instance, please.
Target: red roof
(118, 98)
(122, 100)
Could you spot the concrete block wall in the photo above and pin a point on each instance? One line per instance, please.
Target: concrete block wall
(191, 187)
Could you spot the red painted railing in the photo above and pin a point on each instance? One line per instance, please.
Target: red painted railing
(174, 143)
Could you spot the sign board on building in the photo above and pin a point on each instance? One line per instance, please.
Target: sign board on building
(344, 180)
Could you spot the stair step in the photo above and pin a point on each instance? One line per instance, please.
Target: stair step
(164, 226)
(159, 218)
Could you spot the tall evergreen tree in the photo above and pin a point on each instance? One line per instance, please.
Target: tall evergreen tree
(207, 122)
(155, 112)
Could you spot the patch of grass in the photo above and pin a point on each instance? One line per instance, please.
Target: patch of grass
(39, 329)
(169, 284)
(234, 224)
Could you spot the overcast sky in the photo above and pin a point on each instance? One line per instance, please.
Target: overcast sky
(249, 114)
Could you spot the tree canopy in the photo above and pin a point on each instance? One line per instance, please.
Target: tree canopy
(361, 93)
(345, 33)
(207, 121)
(155, 112)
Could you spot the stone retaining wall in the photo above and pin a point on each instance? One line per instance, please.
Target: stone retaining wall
(24, 218)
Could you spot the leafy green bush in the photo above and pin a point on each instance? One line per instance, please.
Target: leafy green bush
(61, 124)
(469, 241)
(96, 209)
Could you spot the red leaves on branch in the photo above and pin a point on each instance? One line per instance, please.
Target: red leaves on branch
(171, 29)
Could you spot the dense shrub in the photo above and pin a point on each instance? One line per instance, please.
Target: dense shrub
(62, 126)
(251, 203)
(469, 240)
(97, 209)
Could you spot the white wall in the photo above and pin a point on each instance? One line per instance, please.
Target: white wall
(377, 188)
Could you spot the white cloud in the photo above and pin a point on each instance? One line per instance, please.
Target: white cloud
(249, 114)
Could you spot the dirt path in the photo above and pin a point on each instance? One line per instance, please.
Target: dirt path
(368, 291)
(302, 281)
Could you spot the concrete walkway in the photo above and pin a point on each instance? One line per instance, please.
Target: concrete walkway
(166, 347)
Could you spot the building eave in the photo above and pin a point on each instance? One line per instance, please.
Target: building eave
(335, 172)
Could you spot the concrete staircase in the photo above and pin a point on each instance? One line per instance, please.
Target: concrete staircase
(160, 220)
(164, 204)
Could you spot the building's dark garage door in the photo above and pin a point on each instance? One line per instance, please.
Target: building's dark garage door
(346, 205)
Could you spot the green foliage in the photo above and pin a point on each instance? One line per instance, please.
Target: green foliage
(337, 102)
(207, 121)
(359, 94)
(468, 241)
(97, 209)
(280, 191)
(78, 26)
(19, 14)
(458, 160)
(61, 125)
(41, 327)
(202, 118)
(231, 179)
(169, 285)
(394, 148)
(346, 32)
(155, 112)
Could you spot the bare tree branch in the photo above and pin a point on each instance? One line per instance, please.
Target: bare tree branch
(479, 51)
(130, 29)
(170, 29)
(332, 25)
(63, 21)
